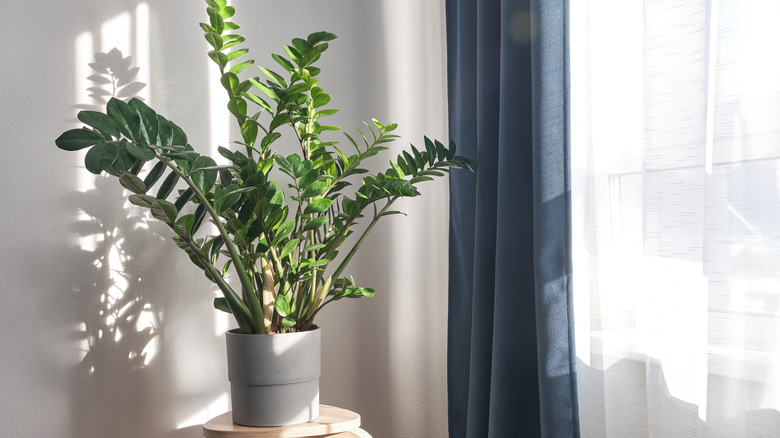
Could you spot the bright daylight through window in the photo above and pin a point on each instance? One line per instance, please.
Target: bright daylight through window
(676, 217)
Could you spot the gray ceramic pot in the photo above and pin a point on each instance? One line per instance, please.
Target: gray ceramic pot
(274, 379)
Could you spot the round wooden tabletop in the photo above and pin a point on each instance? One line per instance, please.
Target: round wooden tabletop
(332, 420)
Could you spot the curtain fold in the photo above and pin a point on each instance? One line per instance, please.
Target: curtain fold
(510, 348)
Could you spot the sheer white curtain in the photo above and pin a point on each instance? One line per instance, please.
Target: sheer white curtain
(676, 208)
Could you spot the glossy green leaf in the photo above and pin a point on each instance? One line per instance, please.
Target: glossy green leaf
(164, 131)
(164, 211)
(314, 189)
(184, 198)
(274, 76)
(148, 120)
(231, 41)
(237, 106)
(227, 12)
(142, 200)
(278, 121)
(216, 20)
(230, 82)
(183, 225)
(241, 66)
(249, 131)
(101, 156)
(254, 98)
(167, 186)
(140, 150)
(179, 138)
(235, 54)
(75, 139)
(284, 230)
(203, 180)
(284, 62)
(101, 122)
(262, 87)
(288, 322)
(218, 57)
(318, 37)
(288, 248)
(221, 304)
(132, 183)
(282, 305)
(320, 100)
(315, 223)
(126, 118)
(317, 205)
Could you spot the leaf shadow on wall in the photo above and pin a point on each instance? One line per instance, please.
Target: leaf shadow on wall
(122, 251)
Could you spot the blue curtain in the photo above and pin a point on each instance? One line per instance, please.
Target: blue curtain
(511, 363)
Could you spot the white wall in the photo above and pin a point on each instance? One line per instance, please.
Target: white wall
(67, 239)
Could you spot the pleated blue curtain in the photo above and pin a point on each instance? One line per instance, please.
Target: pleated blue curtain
(511, 363)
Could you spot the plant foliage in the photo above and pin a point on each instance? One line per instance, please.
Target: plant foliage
(278, 241)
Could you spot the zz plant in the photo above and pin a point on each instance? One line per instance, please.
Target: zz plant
(278, 243)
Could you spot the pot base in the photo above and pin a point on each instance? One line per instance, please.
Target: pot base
(276, 401)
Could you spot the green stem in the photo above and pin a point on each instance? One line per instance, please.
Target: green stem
(256, 311)
(345, 262)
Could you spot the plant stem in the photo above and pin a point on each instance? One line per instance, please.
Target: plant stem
(256, 311)
(345, 262)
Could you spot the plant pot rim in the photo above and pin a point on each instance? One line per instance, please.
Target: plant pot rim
(237, 332)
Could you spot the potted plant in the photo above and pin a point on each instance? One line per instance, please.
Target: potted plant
(276, 240)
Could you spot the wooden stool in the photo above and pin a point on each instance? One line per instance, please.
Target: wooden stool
(333, 422)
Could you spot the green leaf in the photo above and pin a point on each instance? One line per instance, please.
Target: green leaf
(318, 37)
(431, 149)
(288, 248)
(314, 224)
(132, 183)
(278, 121)
(249, 131)
(214, 40)
(237, 106)
(183, 226)
(101, 156)
(314, 189)
(441, 150)
(203, 180)
(164, 131)
(230, 82)
(218, 57)
(164, 211)
(286, 64)
(325, 112)
(126, 118)
(183, 198)
(221, 304)
(178, 138)
(101, 122)
(231, 41)
(227, 12)
(268, 92)
(320, 100)
(268, 139)
(317, 205)
(235, 54)
(284, 230)
(154, 174)
(167, 186)
(216, 20)
(148, 120)
(231, 26)
(75, 139)
(141, 151)
(288, 322)
(294, 54)
(274, 77)
(241, 66)
(142, 200)
(258, 101)
(282, 305)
